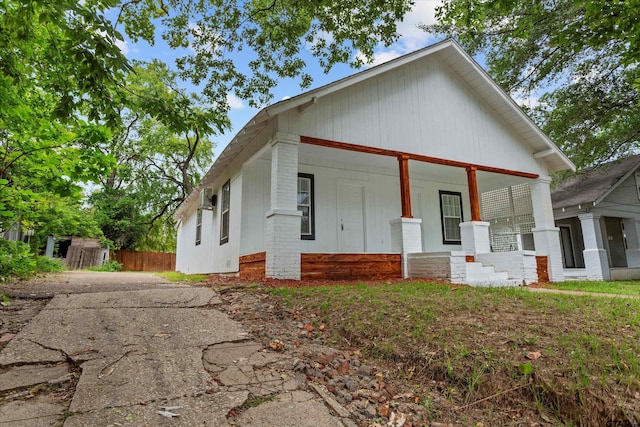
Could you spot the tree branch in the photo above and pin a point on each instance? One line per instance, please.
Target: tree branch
(164, 210)
(165, 174)
(122, 8)
(535, 68)
(26, 153)
(130, 126)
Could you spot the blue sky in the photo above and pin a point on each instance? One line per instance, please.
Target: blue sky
(412, 38)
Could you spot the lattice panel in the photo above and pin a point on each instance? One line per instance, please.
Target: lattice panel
(521, 196)
(503, 240)
(525, 223)
(510, 212)
(496, 204)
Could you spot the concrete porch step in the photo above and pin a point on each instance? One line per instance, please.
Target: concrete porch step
(503, 283)
(475, 271)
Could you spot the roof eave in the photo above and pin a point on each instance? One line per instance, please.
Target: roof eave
(259, 118)
(565, 163)
(299, 100)
(614, 186)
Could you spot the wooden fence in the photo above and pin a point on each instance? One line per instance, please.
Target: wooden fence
(145, 261)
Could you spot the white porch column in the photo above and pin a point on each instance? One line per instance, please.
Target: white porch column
(474, 237)
(632, 234)
(595, 257)
(546, 235)
(406, 238)
(282, 238)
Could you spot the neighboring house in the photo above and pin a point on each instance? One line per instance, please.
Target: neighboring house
(419, 167)
(598, 213)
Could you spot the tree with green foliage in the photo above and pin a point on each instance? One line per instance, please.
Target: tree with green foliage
(57, 74)
(74, 109)
(120, 216)
(160, 154)
(42, 161)
(67, 49)
(583, 55)
(52, 215)
(271, 36)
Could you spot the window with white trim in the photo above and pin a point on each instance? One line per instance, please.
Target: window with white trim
(224, 217)
(451, 215)
(305, 205)
(198, 226)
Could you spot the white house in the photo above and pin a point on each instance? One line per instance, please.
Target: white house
(598, 213)
(418, 167)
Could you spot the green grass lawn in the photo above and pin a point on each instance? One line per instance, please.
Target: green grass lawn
(622, 288)
(175, 276)
(475, 343)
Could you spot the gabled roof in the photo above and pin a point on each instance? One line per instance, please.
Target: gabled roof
(594, 184)
(454, 56)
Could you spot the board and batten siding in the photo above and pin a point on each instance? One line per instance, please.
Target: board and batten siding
(192, 259)
(421, 108)
(623, 201)
(210, 256)
(381, 203)
(256, 201)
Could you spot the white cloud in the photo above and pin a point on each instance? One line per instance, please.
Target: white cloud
(381, 56)
(411, 37)
(284, 98)
(234, 102)
(530, 100)
(123, 45)
(423, 13)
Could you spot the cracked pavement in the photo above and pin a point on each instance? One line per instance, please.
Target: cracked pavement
(149, 357)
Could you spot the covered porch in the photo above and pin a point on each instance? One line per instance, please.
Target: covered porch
(382, 213)
(596, 246)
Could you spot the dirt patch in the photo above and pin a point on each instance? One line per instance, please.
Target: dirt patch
(474, 363)
(18, 313)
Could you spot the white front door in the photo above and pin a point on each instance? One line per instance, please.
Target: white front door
(351, 217)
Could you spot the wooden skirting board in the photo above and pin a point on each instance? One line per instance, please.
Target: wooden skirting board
(543, 273)
(252, 266)
(331, 266)
(350, 266)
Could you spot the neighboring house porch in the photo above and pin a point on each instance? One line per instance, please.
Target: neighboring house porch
(598, 214)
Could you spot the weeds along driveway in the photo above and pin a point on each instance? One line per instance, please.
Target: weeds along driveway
(82, 281)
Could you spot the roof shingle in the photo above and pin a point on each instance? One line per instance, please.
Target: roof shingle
(592, 183)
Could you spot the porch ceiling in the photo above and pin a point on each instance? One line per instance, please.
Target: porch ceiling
(386, 165)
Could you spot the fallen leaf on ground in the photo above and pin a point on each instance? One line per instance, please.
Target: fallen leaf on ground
(106, 372)
(168, 414)
(276, 345)
(397, 420)
(534, 355)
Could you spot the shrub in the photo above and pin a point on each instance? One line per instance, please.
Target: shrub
(16, 260)
(46, 265)
(107, 266)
